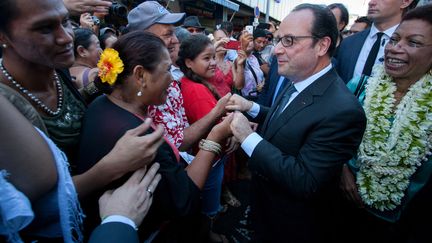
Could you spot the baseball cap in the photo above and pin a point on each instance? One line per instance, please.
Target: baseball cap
(149, 13)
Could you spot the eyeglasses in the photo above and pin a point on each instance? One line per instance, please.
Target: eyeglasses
(194, 30)
(288, 40)
(411, 43)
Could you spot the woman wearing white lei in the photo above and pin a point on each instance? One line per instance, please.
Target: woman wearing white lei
(393, 164)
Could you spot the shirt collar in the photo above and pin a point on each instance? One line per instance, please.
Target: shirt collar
(300, 86)
(174, 68)
(388, 32)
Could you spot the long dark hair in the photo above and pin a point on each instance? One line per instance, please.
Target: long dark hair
(135, 48)
(190, 49)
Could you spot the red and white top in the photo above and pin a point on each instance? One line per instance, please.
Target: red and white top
(171, 115)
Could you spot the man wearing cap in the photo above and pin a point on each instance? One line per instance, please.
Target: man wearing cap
(193, 25)
(152, 17)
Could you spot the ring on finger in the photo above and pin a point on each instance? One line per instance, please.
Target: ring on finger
(150, 192)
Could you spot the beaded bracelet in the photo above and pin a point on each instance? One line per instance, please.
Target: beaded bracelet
(91, 89)
(210, 146)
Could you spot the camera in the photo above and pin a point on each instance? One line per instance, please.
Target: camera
(96, 20)
(119, 9)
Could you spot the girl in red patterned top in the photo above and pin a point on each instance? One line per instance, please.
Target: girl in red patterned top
(197, 61)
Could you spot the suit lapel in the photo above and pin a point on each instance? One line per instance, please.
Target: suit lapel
(356, 49)
(301, 101)
(273, 107)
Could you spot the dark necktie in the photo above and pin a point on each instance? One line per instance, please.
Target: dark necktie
(284, 101)
(279, 89)
(370, 61)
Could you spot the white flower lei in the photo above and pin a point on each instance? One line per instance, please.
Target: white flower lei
(390, 153)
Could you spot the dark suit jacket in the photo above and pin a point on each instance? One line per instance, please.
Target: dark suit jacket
(114, 232)
(348, 53)
(297, 166)
(266, 96)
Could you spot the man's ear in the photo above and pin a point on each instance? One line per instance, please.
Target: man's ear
(405, 4)
(323, 45)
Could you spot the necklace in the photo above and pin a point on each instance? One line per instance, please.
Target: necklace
(33, 98)
(391, 152)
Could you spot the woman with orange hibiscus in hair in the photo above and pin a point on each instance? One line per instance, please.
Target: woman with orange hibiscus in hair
(135, 74)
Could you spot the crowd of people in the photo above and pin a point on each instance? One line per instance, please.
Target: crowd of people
(131, 133)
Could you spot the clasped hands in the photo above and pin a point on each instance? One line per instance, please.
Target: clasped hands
(235, 123)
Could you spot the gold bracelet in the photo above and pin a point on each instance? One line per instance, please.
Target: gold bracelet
(210, 146)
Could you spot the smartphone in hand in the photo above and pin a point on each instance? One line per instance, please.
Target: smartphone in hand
(249, 29)
(232, 45)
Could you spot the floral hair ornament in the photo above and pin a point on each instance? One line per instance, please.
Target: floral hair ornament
(110, 66)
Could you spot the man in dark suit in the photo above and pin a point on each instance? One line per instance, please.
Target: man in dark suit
(354, 51)
(312, 129)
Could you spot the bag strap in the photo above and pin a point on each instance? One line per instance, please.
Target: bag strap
(253, 72)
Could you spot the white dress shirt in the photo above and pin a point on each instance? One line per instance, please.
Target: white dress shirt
(253, 139)
(367, 46)
(119, 219)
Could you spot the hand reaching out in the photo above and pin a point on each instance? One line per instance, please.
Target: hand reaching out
(133, 151)
(241, 58)
(86, 21)
(240, 126)
(220, 106)
(245, 39)
(232, 145)
(238, 103)
(221, 42)
(77, 7)
(222, 130)
(132, 199)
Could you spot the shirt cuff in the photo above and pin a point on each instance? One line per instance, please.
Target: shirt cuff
(119, 219)
(250, 143)
(254, 110)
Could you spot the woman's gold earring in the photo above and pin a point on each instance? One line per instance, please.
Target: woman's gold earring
(139, 92)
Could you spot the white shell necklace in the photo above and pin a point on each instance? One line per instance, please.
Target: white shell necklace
(32, 97)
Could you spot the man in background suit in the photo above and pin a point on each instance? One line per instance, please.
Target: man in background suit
(354, 50)
(272, 86)
(312, 129)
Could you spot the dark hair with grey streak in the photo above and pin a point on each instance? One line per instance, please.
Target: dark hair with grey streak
(324, 24)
